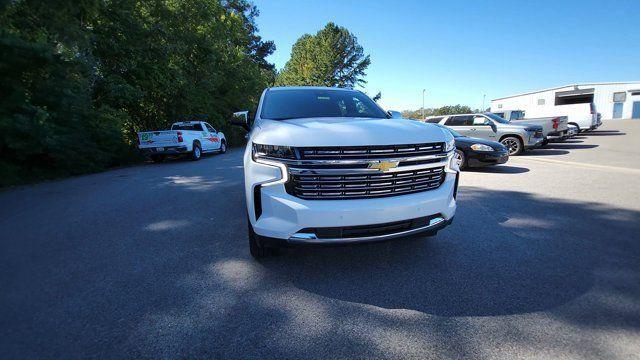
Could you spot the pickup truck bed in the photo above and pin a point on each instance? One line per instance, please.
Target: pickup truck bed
(552, 126)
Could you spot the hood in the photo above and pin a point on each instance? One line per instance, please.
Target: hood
(345, 132)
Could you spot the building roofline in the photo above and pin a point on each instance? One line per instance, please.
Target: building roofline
(561, 87)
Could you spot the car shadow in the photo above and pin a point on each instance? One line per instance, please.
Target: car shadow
(499, 169)
(604, 133)
(544, 152)
(569, 146)
(571, 141)
(495, 259)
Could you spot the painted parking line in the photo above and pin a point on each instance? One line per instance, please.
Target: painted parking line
(584, 165)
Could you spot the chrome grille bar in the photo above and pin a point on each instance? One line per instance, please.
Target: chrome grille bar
(369, 152)
(345, 186)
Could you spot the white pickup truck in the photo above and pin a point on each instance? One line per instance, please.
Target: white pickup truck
(329, 166)
(191, 138)
(553, 127)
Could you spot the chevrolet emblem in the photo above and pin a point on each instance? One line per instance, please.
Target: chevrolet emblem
(383, 166)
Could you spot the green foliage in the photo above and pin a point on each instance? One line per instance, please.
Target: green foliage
(331, 57)
(445, 110)
(80, 78)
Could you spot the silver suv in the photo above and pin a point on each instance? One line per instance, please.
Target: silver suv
(488, 126)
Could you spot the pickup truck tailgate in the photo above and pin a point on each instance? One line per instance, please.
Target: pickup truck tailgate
(150, 139)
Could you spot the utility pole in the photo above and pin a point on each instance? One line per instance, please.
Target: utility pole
(423, 91)
(483, 96)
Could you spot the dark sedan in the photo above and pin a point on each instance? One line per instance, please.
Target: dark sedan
(473, 152)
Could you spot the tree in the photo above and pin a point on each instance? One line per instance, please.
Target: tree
(80, 78)
(331, 57)
(444, 110)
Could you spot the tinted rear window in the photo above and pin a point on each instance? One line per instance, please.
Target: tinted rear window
(187, 127)
(434, 120)
(460, 120)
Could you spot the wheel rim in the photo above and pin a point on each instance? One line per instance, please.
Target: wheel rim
(197, 150)
(512, 145)
(223, 146)
(458, 158)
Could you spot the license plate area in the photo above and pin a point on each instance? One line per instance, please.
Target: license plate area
(159, 149)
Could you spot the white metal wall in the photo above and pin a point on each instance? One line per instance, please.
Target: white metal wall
(603, 99)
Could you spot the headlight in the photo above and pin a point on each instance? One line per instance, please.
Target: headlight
(273, 152)
(450, 145)
(481, 147)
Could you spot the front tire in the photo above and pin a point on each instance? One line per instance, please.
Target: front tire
(223, 147)
(460, 159)
(196, 153)
(257, 250)
(513, 144)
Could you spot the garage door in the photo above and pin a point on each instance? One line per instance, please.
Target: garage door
(636, 110)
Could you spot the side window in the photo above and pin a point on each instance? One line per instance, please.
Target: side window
(516, 115)
(435, 120)
(197, 127)
(459, 120)
(499, 114)
(210, 128)
(480, 120)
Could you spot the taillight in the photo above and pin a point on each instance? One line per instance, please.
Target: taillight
(555, 123)
(180, 139)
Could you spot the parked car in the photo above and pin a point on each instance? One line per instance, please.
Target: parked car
(474, 152)
(329, 166)
(191, 138)
(516, 138)
(553, 127)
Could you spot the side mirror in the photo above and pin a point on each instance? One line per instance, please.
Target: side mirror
(241, 118)
(395, 114)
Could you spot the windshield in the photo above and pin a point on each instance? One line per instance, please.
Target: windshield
(307, 103)
(497, 118)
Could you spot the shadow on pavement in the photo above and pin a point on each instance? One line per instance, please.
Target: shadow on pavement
(544, 152)
(604, 133)
(500, 169)
(569, 146)
(506, 253)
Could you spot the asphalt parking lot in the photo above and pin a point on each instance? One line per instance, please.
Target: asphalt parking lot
(542, 261)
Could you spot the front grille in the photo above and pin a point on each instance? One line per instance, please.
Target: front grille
(358, 186)
(370, 152)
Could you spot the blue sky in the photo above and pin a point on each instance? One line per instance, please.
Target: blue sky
(459, 51)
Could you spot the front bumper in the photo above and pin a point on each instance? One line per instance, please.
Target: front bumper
(534, 143)
(368, 233)
(284, 217)
(479, 159)
(559, 136)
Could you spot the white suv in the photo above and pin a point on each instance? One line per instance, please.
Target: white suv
(328, 165)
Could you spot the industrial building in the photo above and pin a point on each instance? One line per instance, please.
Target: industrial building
(614, 100)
